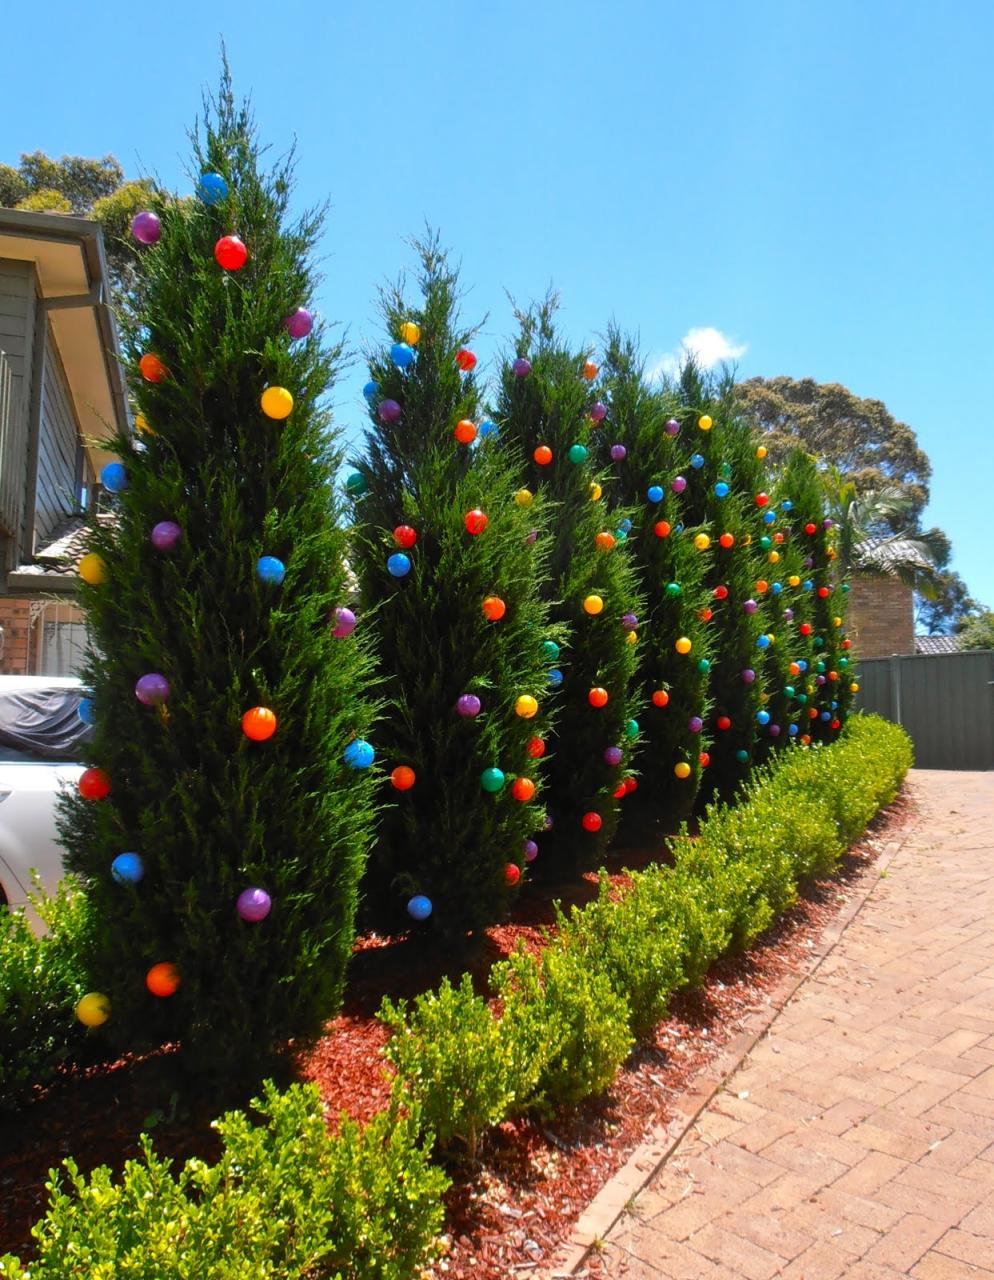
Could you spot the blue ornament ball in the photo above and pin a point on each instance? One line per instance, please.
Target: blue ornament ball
(787, 506)
(792, 730)
(399, 565)
(419, 907)
(655, 493)
(371, 390)
(763, 717)
(626, 525)
(769, 517)
(86, 711)
(763, 642)
(212, 188)
(825, 715)
(114, 478)
(358, 754)
(270, 570)
(721, 489)
(555, 678)
(402, 355)
(808, 585)
(776, 588)
(697, 461)
(487, 428)
(127, 868)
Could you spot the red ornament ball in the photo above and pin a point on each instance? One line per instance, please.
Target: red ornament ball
(94, 784)
(543, 455)
(162, 980)
(151, 368)
(660, 698)
(258, 724)
(847, 644)
(465, 359)
(494, 608)
(727, 540)
(620, 791)
(231, 253)
(662, 528)
(810, 529)
(592, 821)
(836, 724)
(823, 592)
(705, 615)
(512, 874)
(405, 536)
(723, 722)
(475, 521)
(720, 593)
(805, 628)
(762, 499)
(631, 784)
(597, 697)
(536, 748)
(523, 789)
(705, 759)
(465, 431)
(812, 713)
(403, 777)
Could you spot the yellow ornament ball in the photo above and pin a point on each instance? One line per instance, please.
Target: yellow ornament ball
(631, 637)
(774, 557)
(142, 426)
(832, 553)
(854, 687)
(705, 422)
(596, 491)
(524, 497)
(410, 333)
(683, 645)
(761, 452)
(525, 706)
(593, 604)
(702, 542)
(794, 580)
(836, 622)
(682, 769)
(93, 1010)
(277, 403)
(92, 569)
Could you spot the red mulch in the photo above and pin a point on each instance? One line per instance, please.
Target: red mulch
(509, 1212)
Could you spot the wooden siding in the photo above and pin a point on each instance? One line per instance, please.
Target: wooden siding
(59, 450)
(18, 311)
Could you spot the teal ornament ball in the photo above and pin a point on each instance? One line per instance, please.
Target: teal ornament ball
(492, 780)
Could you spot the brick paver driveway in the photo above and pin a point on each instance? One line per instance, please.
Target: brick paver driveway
(857, 1139)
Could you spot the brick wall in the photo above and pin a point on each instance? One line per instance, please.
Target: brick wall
(881, 616)
(14, 618)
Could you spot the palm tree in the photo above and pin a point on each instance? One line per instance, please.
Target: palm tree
(875, 534)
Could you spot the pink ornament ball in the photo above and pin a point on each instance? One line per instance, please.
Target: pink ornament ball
(748, 675)
(618, 453)
(254, 905)
(598, 411)
(389, 411)
(679, 484)
(521, 368)
(165, 535)
(299, 323)
(750, 606)
(151, 690)
(345, 621)
(146, 227)
(469, 705)
(672, 427)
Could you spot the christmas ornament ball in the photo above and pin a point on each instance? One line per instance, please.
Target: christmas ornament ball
(127, 868)
(492, 780)
(258, 724)
(613, 756)
(577, 453)
(524, 498)
(146, 227)
(345, 622)
(705, 422)
(402, 354)
(682, 769)
(593, 604)
(212, 188)
(702, 542)
(530, 850)
(93, 569)
(87, 711)
(468, 705)
(618, 453)
(683, 645)
(604, 540)
(165, 535)
(404, 536)
(388, 411)
(410, 333)
(419, 907)
(721, 489)
(595, 491)
(672, 427)
(535, 748)
(114, 477)
(597, 697)
(151, 368)
(550, 650)
(591, 822)
(162, 980)
(93, 1010)
(403, 777)
(631, 729)
(299, 323)
(475, 521)
(660, 698)
(589, 370)
(152, 689)
(355, 484)
(494, 608)
(679, 484)
(358, 754)
(512, 874)
(654, 493)
(253, 904)
(270, 570)
(525, 706)
(598, 411)
(465, 359)
(94, 784)
(465, 431)
(543, 455)
(521, 367)
(398, 565)
(276, 403)
(523, 789)
(230, 253)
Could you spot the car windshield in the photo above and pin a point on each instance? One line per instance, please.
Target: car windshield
(41, 725)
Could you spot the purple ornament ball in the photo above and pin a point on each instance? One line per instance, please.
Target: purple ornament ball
(612, 755)
(165, 535)
(389, 411)
(774, 731)
(530, 849)
(469, 705)
(629, 621)
(598, 411)
(299, 323)
(146, 227)
(695, 724)
(152, 690)
(827, 523)
(344, 623)
(789, 614)
(748, 675)
(254, 905)
(618, 452)
(521, 367)
(672, 427)
(819, 679)
(750, 606)
(809, 562)
(548, 822)
(531, 536)
(678, 485)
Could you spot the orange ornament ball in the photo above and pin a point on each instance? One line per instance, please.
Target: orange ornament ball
(535, 748)
(152, 369)
(590, 370)
(806, 739)
(162, 980)
(465, 431)
(543, 455)
(592, 821)
(494, 608)
(795, 670)
(660, 698)
(705, 615)
(762, 585)
(778, 537)
(597, 697)
(604, 540)
(403, 777)
(662, 528)
(523, 789)
(258, 724)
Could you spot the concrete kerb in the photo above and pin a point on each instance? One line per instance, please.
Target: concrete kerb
(652, 1153)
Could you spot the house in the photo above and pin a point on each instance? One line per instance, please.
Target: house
(61, 390)
(881, 605)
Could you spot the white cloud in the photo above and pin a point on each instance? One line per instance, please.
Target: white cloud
(708, 345)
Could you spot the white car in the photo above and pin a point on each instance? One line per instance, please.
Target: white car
(40, 734)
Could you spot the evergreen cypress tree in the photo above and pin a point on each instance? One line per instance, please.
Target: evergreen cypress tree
(222, 828)
(450, 569)
(644, 447)
(548, 417)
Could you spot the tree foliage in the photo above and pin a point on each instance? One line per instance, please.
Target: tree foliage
(978, 632)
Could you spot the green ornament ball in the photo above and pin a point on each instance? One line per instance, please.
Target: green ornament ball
(578, 453)
(725, 471)
(843, 662)
(845, 586)
(673, 589)
(550, 649)
(356, 484)
(789, 690)
(819, 642)
(802, 698)
(703, 666)
(820, 667)
(492, 780)
(631, 728)
(742, 755)
(765, 542)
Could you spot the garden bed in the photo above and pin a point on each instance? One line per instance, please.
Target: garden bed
(509, 1211)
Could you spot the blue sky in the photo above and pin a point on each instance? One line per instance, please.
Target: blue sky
(812, 181)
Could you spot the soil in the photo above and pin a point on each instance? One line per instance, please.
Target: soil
(508, 1212)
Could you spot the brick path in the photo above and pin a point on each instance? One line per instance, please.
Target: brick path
(857, 1139)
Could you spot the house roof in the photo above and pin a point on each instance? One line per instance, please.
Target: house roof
(887, 558)
(55, 567)
(71, 268)
(928, 646)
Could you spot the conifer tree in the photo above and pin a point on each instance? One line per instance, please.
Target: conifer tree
(643, 445)
(450, 569)
(548, 416)
(222, 826)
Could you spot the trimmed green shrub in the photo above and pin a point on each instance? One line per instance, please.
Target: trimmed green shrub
(455, 1061)
(632, 945)
(285, 1200)
(564, 1017)
(41, 981)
